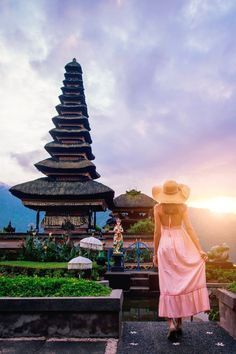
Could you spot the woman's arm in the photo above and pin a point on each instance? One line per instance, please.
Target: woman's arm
(190, 230)
(157, 233)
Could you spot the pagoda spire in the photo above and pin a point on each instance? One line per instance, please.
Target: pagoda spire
(70, 150)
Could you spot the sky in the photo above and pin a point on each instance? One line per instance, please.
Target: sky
(160, 85)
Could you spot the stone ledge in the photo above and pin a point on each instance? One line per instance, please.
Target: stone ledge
(227, 297)
(111, 303)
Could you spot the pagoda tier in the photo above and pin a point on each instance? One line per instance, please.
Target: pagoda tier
(81, 169)
(69, 99)
(46, 194)
(72, 90)
(68, 122)
(73, 134)
(72, 109)
(62, 151)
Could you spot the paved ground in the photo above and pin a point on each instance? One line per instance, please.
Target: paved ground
(57, 346)
(137, 338)
(197, 338)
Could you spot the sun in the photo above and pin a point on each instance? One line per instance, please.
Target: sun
(220, 205)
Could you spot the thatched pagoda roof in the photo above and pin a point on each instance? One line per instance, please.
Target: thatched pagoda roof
(134, 200)
(46, 187)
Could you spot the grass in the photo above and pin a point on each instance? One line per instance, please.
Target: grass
(38, 265)
(24, 286)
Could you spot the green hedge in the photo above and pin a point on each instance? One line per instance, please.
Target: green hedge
(48, 269)
(24, 286)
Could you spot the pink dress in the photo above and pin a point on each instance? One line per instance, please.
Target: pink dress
(182, 276)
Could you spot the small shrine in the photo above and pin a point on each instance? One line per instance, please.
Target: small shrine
(132, 207)
(68, 194)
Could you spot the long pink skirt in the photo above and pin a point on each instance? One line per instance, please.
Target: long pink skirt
(182, 277)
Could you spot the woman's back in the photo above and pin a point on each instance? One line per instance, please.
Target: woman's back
(171, 214)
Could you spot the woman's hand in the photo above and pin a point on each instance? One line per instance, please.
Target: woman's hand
(204, 255)
(155, 261)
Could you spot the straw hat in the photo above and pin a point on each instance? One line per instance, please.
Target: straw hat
(171, 192)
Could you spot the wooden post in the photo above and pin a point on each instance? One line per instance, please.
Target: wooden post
(37, 219)
(89, 220)
(94, 224)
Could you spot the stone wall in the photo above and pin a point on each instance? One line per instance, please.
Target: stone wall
(61, 317)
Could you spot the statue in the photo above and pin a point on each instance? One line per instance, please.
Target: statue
(219, 253)
(118, 238)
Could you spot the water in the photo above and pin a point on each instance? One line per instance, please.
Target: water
(141, 309)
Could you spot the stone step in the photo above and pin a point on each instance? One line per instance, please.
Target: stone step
(136, 291)
(139, 288)
(139, 275)
(139, 282)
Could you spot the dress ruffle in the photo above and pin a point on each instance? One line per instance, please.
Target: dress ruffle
(185, 304)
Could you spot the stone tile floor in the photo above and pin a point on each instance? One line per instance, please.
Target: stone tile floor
(198, 338)
(137, 338)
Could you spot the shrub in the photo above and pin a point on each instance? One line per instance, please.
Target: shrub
(142, 227)
(48, 250)
(51, 269)
(232, 287)
(24, 286)
(214, 315)
(221, 275)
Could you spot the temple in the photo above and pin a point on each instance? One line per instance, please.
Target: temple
(131, 207)
(68, 194)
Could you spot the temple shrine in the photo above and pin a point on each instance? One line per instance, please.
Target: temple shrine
(132, 207)
(68, 194)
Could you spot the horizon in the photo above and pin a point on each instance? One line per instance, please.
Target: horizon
(160, 96)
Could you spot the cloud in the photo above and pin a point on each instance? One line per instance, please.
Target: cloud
(159, 82)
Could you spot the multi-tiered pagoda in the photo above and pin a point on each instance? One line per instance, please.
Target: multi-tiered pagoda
(68, 194)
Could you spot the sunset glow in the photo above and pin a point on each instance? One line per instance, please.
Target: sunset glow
(218, 204)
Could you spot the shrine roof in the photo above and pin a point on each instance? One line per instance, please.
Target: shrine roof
(134, 201)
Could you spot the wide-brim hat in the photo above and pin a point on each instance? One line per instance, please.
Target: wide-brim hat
(171, 192)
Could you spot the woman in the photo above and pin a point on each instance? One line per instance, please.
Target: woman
(179, 257)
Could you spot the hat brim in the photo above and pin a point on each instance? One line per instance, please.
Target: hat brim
(178, 198)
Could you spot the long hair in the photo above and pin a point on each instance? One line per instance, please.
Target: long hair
(171, 209)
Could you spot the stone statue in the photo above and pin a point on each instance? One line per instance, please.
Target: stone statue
(219, 253)
(118, 238)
